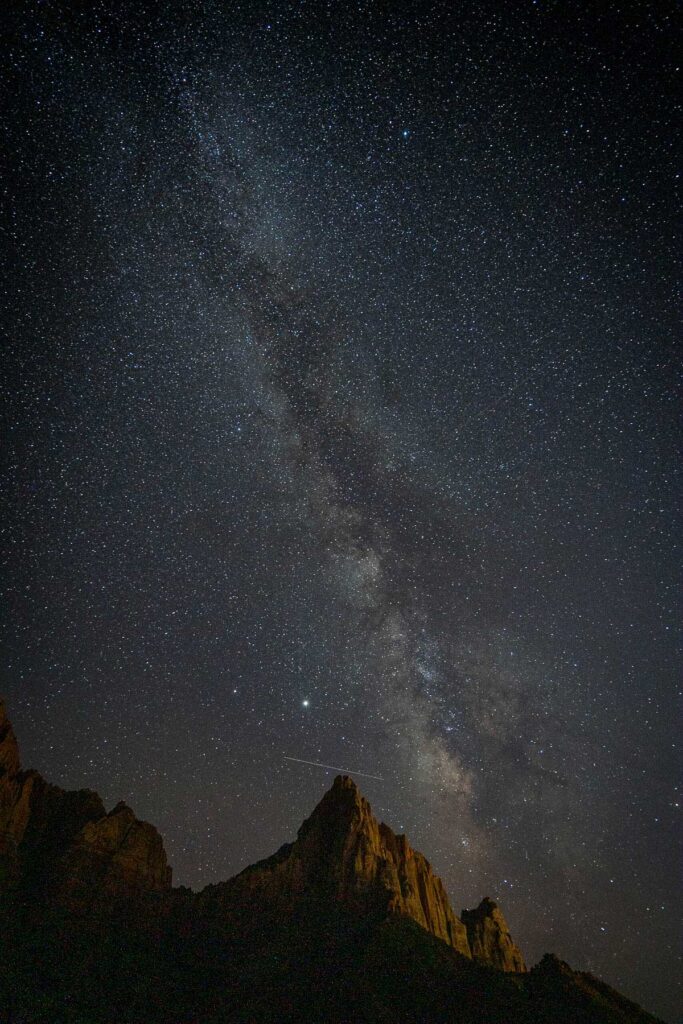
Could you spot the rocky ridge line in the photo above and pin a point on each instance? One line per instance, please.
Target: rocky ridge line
(66, 843)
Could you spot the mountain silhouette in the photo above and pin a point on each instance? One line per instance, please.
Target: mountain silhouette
(346, 924)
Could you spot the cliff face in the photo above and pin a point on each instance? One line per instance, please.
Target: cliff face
(489, 937)
(346, 923)
(116, 855)
(65, 842)
(344, 854)
(37, 820)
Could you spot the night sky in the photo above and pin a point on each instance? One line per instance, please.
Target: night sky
(339, 424)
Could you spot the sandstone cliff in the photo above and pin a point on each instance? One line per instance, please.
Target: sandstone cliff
(489, 937)
(65, 842)
(346, 923)
(118, 855)
(38, 821)
(343, 853)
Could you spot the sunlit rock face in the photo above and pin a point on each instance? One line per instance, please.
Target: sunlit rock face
(489, 937)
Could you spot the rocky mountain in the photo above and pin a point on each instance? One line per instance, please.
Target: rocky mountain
(347, 923)
(489, 938)
(343, 854)
(66, 842)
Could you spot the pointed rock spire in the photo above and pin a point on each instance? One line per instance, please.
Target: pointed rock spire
(343, 853)
(489, 937)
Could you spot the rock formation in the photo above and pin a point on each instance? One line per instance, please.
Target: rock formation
(65, 842)
(116, 855)
(37, 820)
(489, 937)
(556, 984)
(344, 854)
(348, 922)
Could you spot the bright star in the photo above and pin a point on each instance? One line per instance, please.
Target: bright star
(305, 703)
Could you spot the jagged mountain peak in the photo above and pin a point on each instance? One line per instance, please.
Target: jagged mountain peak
(342, 854)
(345, 855)
(359, 859)
(342, 807)
(342, 783)
(343, 793)
(348, 902)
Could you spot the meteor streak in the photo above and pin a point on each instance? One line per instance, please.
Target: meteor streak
(346, 771)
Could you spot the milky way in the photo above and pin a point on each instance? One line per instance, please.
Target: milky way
(339, 426)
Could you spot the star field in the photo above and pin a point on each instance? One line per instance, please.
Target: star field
(339, 425)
